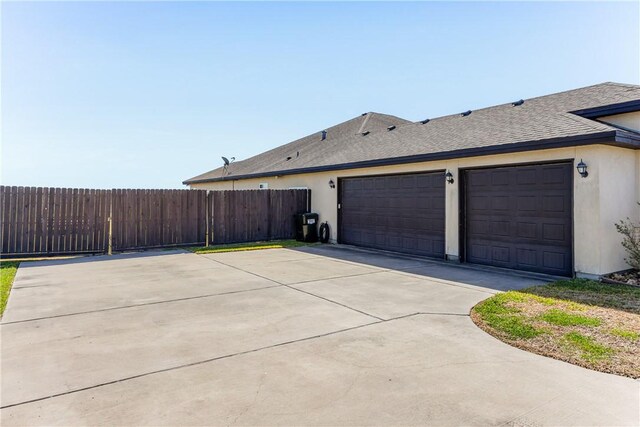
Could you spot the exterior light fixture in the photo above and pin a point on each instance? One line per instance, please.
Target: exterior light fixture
(449, 177)
(582, 169)
(332, 184)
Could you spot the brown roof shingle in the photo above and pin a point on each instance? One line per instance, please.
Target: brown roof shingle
(542, 120)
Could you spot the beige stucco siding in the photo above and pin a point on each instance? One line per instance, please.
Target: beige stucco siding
(616, 170)
(626, 120)
(609, 193)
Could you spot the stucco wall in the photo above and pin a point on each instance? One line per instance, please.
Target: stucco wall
(617, 170)
(608, 194)
(626, 120)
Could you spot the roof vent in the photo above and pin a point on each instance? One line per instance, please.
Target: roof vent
(363, 114)
(288, 158)
(324, 135)
(425, 121)
(392, 127)
(466, 113)
(515, 104)
(365, 133)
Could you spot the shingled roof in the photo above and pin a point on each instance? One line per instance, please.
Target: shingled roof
(557, 120)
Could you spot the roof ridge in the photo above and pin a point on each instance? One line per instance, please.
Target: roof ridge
(631, 85)
(595, 124)
(581, 89)
(538, 97)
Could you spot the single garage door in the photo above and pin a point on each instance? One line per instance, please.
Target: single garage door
(401, 213)
(520, 217)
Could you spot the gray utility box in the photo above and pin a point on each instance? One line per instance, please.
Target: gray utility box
(307, 227)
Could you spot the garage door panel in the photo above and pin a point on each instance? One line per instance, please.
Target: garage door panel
(500, 178)
(527, 176)
(501, 228)
(555, 232)
(527, 257)
(522, 220)
(405, 213)
(526, 203)
(527, 230)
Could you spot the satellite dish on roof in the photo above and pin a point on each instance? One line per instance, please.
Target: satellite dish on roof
(227, 162)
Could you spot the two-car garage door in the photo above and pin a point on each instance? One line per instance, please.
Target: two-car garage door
(516, 217)
(401, 213)
(520, 217)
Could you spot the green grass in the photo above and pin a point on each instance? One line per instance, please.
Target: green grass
(590, 349)
(572, 320)
(8, 271)
(630, 335)
(495, 312)
(562, 318)
(252, 246)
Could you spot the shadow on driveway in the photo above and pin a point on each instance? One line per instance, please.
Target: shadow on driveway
(496, 279)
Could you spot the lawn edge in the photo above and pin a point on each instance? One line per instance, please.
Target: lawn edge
(477, 320)
(5, 301)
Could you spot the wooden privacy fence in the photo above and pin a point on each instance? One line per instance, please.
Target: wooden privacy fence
(48, 221)
(249, 216)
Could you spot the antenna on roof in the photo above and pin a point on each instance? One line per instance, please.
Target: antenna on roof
(520, 102)
(227, 162)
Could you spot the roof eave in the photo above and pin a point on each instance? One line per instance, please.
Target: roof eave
(614, 137)
(609, 110)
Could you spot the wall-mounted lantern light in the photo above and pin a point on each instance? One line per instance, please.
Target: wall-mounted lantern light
(332, 184)
(582, 169)
(449, 177)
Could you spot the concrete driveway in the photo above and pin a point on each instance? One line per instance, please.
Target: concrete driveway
(322, 335)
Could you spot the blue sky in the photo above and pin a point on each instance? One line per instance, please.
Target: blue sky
(145, 95)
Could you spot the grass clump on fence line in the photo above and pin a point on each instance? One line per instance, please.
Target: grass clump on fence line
(251, 246)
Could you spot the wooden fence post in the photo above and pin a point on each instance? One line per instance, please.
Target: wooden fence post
(206, 218)
(110, 249)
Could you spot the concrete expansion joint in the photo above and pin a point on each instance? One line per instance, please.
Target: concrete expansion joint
(335, 302)
(123, 307)
(347, 276)
(213, 359)
(290, 286)
(187, 365)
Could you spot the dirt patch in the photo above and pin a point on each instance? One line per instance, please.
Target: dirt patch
(601, 338)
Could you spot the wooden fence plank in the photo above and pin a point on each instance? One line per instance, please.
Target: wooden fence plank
(3, 220)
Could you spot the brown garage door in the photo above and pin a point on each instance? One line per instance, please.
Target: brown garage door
(402, 213)
(520, 217)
